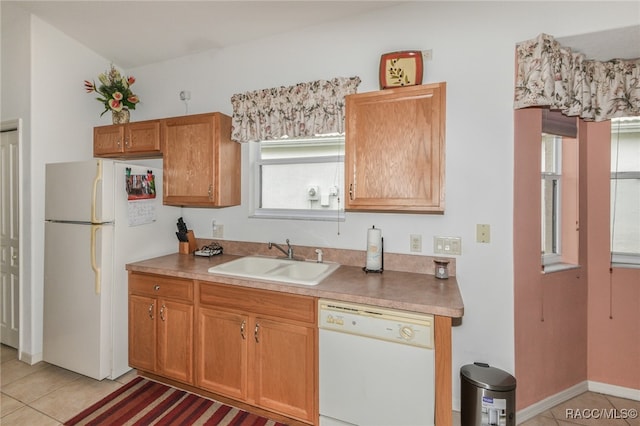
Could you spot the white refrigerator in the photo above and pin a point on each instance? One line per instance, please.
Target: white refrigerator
(99, 216)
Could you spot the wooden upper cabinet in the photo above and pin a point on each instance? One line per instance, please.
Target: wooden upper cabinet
(394, 149)
(138, 139)
(201, 164)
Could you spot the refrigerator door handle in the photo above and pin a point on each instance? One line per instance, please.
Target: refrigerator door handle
(94, 265)
(94, 195)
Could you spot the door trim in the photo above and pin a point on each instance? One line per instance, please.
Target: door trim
(8, 126)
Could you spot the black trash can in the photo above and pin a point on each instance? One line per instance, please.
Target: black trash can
(488, 396)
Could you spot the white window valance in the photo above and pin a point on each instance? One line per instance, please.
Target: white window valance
(303, 110)
(549, 74)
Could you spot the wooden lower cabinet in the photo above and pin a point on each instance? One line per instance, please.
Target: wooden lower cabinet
(283, 371)
(161, 326)
(222, 352)
(258, 353)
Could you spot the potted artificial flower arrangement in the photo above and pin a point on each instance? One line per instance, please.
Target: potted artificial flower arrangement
(115, 93)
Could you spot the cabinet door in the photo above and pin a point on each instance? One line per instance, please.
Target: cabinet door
(143, 137)
(202, 165)
(221, 354)
(108, 140)
(394, 149)
(284, 370)
(189, 166)
(142, 332)
(175, 340)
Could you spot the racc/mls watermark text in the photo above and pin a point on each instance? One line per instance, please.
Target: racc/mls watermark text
(601, 413)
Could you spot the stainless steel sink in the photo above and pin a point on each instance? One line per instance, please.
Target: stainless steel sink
(275, 269)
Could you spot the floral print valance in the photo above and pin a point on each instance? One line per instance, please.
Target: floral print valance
(549, 74)
(303, 110)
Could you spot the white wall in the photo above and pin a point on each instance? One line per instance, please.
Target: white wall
(473, 51)
(58, 126)
(15, 103)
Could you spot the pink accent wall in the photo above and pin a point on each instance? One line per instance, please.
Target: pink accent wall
(564, 334)
(614, 297)
(550, 310)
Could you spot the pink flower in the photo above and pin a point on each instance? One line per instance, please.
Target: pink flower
(133, 99)
(131, 80)
(89, 86)
(117, 96)
(115, 105)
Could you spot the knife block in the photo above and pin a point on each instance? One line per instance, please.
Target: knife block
(188, 247)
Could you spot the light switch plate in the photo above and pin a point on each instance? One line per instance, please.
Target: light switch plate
(447, 245)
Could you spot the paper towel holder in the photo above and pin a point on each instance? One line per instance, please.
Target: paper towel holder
(379, 271)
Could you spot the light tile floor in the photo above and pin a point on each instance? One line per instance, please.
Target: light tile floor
(43, 394)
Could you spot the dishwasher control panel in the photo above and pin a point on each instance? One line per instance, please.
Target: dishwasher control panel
(379, 323)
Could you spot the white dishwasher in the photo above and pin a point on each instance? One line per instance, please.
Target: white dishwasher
(376, 366)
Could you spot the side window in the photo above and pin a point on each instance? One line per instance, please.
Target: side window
(551, 198)
(300, 178)
(625, 190)
(559, 191)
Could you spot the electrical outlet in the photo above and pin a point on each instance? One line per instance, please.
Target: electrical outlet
(415, 243)
(447, 245)
(218, 231)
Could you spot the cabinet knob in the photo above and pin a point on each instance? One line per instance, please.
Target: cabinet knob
(351, 191)
(156, 287)
(210, 192)
(126, 143)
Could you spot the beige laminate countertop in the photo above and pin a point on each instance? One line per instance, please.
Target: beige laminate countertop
(408, 291)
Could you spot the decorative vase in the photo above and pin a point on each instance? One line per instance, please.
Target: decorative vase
(120, 117)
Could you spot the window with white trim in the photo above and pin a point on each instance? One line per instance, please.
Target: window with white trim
(299, 179)
(625, 190)
(551, 198)
(559, 191)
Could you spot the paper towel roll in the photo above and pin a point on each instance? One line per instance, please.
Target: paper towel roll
(374, 249)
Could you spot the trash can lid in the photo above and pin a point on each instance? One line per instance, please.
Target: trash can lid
(491, 378)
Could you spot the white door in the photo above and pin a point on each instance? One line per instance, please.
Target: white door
(9, 237)
(77, 296)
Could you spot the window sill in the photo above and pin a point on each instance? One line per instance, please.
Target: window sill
(558, 267)
(291, 214)
(625, 265)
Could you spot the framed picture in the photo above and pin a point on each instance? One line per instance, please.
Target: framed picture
(399, 69)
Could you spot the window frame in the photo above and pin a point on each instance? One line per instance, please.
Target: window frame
(257, 162)
(555, 257)
(621, 259)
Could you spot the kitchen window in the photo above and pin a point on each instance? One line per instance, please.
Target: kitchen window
(299, 179)
(551, 198)
(625, 190)
(559, 192)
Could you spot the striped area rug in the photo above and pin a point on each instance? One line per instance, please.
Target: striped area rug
(145, 402)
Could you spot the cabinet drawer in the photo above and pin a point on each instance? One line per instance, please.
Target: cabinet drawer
(161, 286)
(261, 302)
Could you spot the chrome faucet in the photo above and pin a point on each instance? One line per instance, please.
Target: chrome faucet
(288, 252)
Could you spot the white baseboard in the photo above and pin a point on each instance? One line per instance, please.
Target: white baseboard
(613, 390)
(550, 402)
(30, 359)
